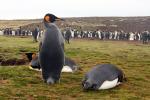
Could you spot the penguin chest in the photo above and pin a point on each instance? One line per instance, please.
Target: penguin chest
(66, 69)
(109, 84)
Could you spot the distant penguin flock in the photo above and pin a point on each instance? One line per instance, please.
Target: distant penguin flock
(51, 61)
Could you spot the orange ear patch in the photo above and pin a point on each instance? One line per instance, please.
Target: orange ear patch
(33, 55)
(47, 18)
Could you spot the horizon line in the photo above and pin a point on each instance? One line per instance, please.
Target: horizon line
(1, 19)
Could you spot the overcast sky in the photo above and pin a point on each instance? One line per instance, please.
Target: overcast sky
(32, 9)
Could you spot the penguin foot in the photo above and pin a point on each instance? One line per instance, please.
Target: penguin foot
(50, 81)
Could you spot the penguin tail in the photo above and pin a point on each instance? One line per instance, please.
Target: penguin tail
(124, 78)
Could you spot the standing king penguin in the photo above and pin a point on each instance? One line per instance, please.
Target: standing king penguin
(51, 52)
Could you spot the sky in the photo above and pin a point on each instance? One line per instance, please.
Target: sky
(33, 9)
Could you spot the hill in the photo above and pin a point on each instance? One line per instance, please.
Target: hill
(88, 23)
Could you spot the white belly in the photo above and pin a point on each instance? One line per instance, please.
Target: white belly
(109, 84)
(13, 33)
(1, 33)
(66, 69)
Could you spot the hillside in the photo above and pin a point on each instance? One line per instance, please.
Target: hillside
(89, 23)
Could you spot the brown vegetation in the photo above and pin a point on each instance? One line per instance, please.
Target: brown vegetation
(88, 23)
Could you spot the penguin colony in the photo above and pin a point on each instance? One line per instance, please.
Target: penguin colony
(51, 60)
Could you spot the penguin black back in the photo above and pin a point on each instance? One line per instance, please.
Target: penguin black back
(51, 54)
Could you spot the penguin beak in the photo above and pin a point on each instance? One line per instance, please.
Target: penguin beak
(59, 19)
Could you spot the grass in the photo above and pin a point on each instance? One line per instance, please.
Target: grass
(19, 82)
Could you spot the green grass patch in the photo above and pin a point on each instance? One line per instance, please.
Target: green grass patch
(19, 82)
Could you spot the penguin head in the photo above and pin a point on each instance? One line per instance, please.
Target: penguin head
(50, 18)
(29, 56)
(86, 85)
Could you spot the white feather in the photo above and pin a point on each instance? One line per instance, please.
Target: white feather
(67, 69)
(109, 84)
(64, 69)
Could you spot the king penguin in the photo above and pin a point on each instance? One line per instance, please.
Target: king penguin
(103, 76)
(51, 53)
(69, 65)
